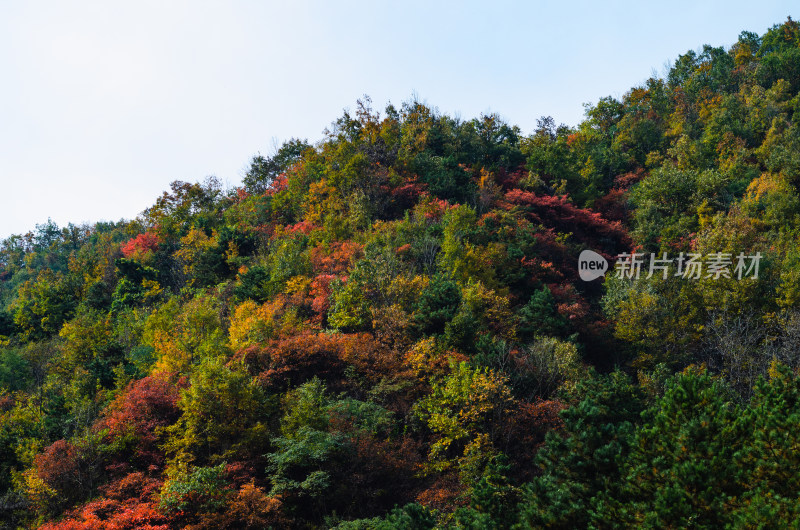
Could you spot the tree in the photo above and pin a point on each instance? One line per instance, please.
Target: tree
(767, 464)
(681, 468)
(349, 309)
(89, 342)
(133, 423)
(464, 411)
(225, 416)
(264, 170)
(63, 474)
(306, 454)
(199, 490)
(137, 284)
(539, 316)
(437, 305)
(184, 335)
(44, 304)
(584, 463)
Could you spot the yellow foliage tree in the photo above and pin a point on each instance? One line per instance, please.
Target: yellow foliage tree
(464, 411)
(184, 335)
(253, 323)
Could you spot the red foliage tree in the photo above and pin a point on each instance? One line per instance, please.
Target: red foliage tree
(557, 212)
(249, 508)
(128, 504)
(320, 291)
(303, 227)
(70, 470)
(380, 472)
(145, 406)
(59, 465)
(524, 429)
(337, 258)
(141, 245)
(613, 205)
(446, 492)
(289, 361)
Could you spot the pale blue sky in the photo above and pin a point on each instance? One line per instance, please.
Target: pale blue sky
(103, 104)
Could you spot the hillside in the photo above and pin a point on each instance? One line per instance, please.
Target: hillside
(388, 329)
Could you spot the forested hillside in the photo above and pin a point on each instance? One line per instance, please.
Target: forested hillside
(387, 329)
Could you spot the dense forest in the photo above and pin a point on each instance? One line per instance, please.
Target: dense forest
(387, 329)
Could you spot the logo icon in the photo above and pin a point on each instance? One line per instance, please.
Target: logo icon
(591, 265)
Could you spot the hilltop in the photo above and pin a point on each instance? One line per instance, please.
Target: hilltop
(387, 328)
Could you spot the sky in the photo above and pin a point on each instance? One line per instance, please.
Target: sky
(104, 103)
